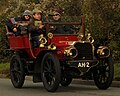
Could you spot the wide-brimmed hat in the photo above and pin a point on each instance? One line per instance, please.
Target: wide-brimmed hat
(27, 12)
(36, 11)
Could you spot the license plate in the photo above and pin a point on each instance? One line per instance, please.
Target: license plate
(84, 64)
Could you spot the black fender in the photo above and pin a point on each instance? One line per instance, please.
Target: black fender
(37, 66)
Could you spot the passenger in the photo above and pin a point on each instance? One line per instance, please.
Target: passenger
(36, 26)
(13, 25)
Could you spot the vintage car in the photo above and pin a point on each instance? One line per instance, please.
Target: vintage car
(60, 58)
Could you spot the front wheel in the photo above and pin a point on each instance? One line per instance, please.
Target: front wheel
(51, 72)
(103, 75)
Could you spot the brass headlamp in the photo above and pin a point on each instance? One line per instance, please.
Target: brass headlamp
(103, 51)
(71, 52)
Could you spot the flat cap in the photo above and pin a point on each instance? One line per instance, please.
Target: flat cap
(36, 11)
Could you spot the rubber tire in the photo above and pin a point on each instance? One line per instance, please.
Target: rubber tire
(108, 82)
(57, 69)
(19, 82)
(65, 81)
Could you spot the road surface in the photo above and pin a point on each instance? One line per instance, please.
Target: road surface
(37, 89)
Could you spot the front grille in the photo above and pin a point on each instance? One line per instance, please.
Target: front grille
(84, 51)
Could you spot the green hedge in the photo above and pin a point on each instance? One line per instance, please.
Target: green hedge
(102, 19)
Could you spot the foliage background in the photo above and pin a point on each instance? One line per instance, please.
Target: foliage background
(102, 19)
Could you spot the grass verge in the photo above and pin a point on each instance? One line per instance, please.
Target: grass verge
(4, 69)
(117, 71)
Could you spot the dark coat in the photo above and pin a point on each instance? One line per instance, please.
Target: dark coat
(34, 29)
(12, 22)
(59, 29)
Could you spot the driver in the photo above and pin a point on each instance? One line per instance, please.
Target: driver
(56, 18)
(60, 29)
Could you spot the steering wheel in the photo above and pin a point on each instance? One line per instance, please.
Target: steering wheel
(52, 28)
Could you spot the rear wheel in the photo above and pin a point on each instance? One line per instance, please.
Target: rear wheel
(103, 75)
(17, 71)
(51, 72)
